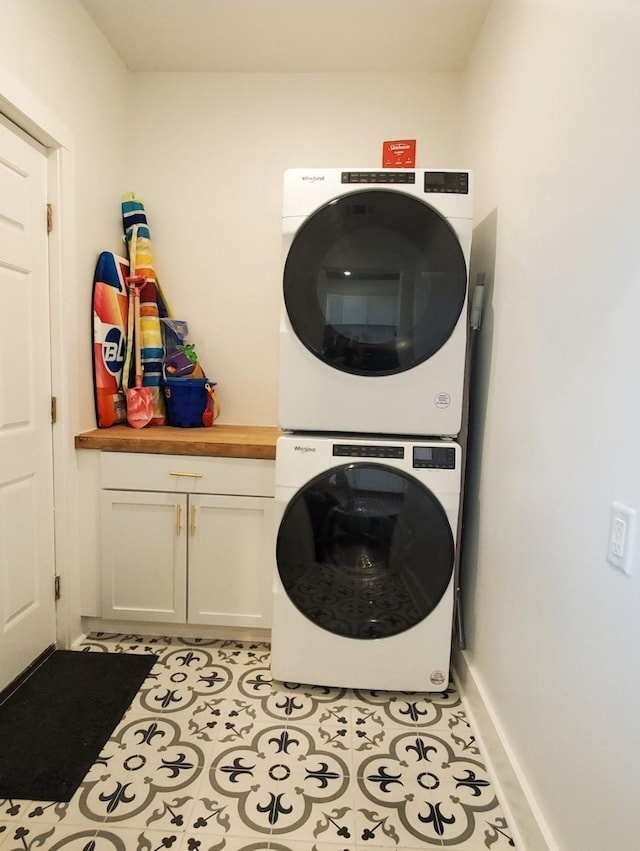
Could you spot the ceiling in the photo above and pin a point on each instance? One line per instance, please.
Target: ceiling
(290, 35)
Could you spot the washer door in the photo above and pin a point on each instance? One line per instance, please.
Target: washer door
(374, 282)
(365, 551)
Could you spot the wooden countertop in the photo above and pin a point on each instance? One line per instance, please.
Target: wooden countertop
(228, 441)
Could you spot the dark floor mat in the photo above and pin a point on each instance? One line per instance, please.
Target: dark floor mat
(56, 723)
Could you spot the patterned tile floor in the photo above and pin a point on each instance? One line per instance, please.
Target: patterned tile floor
(213, 754)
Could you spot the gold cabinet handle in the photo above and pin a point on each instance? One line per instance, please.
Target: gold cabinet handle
(178, 519)
(192, 527)
(187, 475)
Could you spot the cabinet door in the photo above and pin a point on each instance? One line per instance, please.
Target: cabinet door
(231, 559)
(144, 556)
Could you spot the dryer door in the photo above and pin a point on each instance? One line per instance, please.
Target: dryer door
(365, 551)
(374, 282)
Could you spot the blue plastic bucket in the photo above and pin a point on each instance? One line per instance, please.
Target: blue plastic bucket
(186, 400)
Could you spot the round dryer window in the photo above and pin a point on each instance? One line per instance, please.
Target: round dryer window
(365, 551)
(374, 282)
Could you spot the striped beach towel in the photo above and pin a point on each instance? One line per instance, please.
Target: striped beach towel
(152, 302)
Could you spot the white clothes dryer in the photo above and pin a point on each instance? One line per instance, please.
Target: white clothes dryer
(364, 579)
(373, 330)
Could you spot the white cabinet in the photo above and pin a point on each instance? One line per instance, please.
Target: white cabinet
(230, 560)
(143, 556)
(187, 540)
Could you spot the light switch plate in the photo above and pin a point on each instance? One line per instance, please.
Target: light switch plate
(621, 536)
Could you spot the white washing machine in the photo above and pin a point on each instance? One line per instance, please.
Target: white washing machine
(373, 329)
(364, 580)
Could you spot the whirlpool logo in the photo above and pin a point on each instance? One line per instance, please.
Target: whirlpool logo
(299, 448)
(312, 178)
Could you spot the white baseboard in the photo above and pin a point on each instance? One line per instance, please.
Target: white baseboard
(227, 633)
(529, 830)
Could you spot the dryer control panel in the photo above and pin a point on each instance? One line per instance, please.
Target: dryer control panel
(378, 177)
(447, 182)
(451, 182)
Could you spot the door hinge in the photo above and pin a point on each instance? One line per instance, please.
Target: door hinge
(49, 218)
(54, 409)
(56, 587)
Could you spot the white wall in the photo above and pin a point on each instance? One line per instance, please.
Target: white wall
(208, 161)
(553, 631)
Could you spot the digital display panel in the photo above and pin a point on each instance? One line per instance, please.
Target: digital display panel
(423, 453)
(452, 182)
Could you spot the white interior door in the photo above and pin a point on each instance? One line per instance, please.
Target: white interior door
(27, 569)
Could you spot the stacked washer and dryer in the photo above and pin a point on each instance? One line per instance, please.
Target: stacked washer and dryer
(373, 341)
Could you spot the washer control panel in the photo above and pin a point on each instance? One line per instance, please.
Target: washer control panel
(434, 457)
(424, 457)
(349, 450)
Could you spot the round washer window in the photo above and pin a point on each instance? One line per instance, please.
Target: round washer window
(374, 282)
(365, 551)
